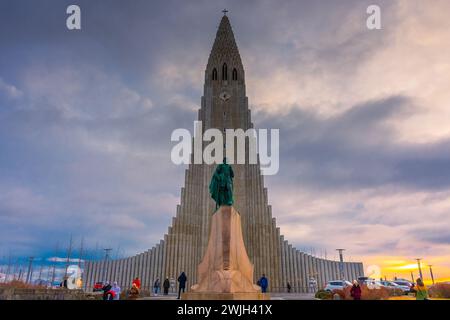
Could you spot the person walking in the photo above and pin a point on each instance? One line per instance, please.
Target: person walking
(116, 289)
(106, 291)
(421, 290)
(166, 286)
(137, 282)
(289, 287)
(263, 283)
(134, 292)
(182, 283)
(355, 291)
(156, 286)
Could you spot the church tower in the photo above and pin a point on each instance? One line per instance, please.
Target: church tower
(224, 105)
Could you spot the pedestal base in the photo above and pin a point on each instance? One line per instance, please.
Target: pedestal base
(225, 296)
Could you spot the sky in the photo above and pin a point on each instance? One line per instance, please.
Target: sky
(86, 118)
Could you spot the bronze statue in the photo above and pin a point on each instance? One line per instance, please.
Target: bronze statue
(221, 185)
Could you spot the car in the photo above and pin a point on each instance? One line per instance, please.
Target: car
(98, 286)
(394, 286)
(365, 280)
(404, 284)
(336, 285)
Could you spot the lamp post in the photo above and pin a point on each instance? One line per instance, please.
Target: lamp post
(341, 263)
(431, 273)
(30, 269)
(420, 268)
(107, 251)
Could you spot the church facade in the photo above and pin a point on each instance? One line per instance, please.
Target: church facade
(224, 105)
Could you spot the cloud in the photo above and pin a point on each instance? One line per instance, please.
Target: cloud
(9, 90)
(62, 259)
(356, 149)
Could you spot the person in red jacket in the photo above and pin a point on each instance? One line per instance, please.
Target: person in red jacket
(355, 292)
(137, 282)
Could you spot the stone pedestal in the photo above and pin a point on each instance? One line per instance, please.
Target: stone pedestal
(225, 272)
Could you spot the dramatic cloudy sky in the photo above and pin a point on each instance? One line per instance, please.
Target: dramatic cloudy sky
(364, 119)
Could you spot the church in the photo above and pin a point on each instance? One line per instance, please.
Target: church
(224, 105)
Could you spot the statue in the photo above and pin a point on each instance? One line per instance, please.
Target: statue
(221, 185)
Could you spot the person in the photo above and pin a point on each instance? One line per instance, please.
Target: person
(134, 291)
(137, 282)
(421, 290)
(116, 289)
(156, 286)
(355, 291)
(289, 287)
(166, 286)
(263, 282)
(312, 284)
(106, 291)
(63, 283)
(182, 280)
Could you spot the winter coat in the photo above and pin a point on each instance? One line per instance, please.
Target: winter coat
(355, 292)
(421, 293)
(263, 282)
(137, 282)
(166, 284)
(182, 280)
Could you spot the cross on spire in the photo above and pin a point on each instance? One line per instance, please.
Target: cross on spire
(224, 12)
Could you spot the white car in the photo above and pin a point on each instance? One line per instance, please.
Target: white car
(395, 286)
(337, 285)
(406, 285)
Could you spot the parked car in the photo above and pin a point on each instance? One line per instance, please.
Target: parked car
(405, 284)
(394, 286)
(365, 280)
(336, 285)
(98, 286)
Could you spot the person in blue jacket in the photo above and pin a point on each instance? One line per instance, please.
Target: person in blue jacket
(263, 283)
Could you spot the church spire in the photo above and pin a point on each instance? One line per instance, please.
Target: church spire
(224, 49)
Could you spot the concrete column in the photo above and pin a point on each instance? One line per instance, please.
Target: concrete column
(145, 279)
(100, 274)
(294, 282)
(170, 252)
(266, 234)
(189, 227)
(126, 272)
(158, 263)
(121, 273)
(164, 267)
(276, 260)
(95, 266)
(283, 263)
(86, 275)
(291, 266)
(304, 264)
(113, 271)
(346, 271)
(148, 267)
(161, 261)
(152, 266)
(319, 273)
(299, 271)
(327, 270)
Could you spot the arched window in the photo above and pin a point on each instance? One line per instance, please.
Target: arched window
(224, 72)
(214, 74)
(234, 77)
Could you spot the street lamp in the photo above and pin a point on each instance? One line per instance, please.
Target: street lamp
(431, 273)
(420, 269)
(30, 270)
(341, 262)
(107, 251)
